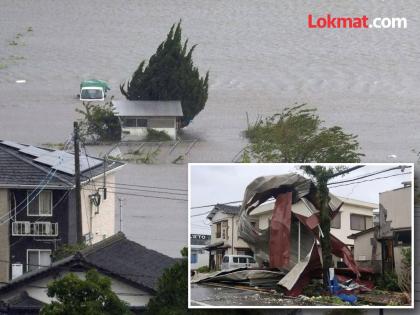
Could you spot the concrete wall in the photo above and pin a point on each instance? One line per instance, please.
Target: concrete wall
(4, 237)
(397, 204)
(398, 259)
(100, 221)
(363, 252)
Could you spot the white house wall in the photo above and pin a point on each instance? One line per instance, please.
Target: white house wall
(103, 222)
(398, 206)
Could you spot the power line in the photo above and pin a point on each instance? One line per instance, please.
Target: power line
(146, 190)
(156, 187)
(370, 174)
(372, 179)
(139, 195)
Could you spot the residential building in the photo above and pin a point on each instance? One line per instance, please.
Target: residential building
(381, 247)
(354, 216)
(138, 116)
(37, 204)
(134, 272)
(224, 235)
(199, 256)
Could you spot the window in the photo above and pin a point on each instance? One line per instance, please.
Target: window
(235, 260)
(37, 258)
(242, 260)
(251, 260)
(360, 222)
(226, 259)
(141, 122)
(161, 123)
(129, 122)
(336, 222)
(218, 230)
(193, 258)
(41, 205)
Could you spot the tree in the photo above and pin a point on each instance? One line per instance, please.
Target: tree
(75, 296)
(297, 136)
(67, 250)
(99, 122)
(321, 175)
(172, 294)
(170, 75)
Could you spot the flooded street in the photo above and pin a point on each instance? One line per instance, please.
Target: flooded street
(261, 57)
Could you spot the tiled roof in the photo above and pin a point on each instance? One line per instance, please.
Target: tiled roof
(223, 208)
(18, 169)
(115, 256)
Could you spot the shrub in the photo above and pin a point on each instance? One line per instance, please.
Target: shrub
(155, 135)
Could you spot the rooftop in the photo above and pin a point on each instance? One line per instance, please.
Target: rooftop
(114, 256)
(223, 208)
(23, 165)
(148, 108)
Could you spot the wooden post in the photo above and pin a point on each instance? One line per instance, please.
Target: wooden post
(77, 182)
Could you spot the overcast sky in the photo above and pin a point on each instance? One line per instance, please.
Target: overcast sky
(222, 183)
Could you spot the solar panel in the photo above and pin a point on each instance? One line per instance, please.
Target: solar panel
(86, 163)
(54, 158)
(34, 151)
(13, 144)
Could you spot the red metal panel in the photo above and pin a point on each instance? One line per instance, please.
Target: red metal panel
(280, 231)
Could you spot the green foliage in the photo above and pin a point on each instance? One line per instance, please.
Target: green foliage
(99, 122)
(203, 269)
(172, 294)
(405, 276)
(388, 282)
(297, 135)
(67, 250)
(75, 296)
(170, 75)
(155, 135)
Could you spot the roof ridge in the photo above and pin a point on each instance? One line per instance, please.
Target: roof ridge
(33, 164)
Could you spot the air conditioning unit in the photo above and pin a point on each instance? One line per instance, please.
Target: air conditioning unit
(17, 270)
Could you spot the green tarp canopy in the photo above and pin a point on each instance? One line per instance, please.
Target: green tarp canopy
(95, 83)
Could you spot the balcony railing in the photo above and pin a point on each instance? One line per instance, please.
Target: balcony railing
(26, 228)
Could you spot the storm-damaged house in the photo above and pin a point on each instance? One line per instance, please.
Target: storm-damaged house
(380, 247)
(290, 242)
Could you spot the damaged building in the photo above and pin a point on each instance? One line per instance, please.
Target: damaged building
(284, 240)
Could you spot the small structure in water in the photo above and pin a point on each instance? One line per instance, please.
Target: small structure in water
(138, 117)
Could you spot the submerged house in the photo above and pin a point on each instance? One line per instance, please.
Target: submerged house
(133, 270)
(137, 117)
(37, 204)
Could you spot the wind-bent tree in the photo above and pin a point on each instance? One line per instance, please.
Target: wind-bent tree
(297, 136)
(170, 75)
(75, 296)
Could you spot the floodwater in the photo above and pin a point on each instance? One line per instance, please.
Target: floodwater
(261, 57)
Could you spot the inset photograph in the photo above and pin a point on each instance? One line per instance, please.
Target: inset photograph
(301, 235)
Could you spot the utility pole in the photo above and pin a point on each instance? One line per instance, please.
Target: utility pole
(120, 202)
(77, 182)
(322, 175)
